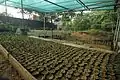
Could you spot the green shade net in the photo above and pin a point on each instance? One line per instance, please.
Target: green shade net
(61, 5)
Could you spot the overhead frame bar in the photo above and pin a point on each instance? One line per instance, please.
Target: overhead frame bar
(104, 6)
(100, 7)
(57, 4)
(3, 1)
(47, 5)
(36, 2)
(83, 4)
(94, 5)
(99, 3)
(28, 6)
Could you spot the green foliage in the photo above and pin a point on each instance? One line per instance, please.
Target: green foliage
(95, 26)
(100, 20)
(10, 28)
(93, 31)
(81, 23)
(7, 27)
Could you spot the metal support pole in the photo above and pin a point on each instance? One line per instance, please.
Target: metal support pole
(117, 37)
(117, 31)
(56, 4)
(7, 26)
(81, 13)
(81, 2)
(5, 7)
(52, 26)
(44, 24)
(6, 11)
(22, 14)
(44, 21)
(51, 19)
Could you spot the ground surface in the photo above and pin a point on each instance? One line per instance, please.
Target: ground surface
(70, 43)
(7, 71)
(99, 40)
(117, 66)
(47, 60)
(88, 36)
(80, 38)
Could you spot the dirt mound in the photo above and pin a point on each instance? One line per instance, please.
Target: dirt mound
(87, 36)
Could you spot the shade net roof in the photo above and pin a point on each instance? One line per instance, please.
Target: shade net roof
(61, 5)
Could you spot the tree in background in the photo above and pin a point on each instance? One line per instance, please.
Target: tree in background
(100, 20)
(67, 19)
(81, 22)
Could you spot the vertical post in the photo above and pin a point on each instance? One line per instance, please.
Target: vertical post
(81, 13)
(5, 7)
(52, 27)
(22, 14)
(117, 31)
(44, 24)
(51, 19)
(44, 21)
(6, 12)
(7, 25)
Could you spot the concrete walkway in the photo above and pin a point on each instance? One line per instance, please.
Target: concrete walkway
(72, 44)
